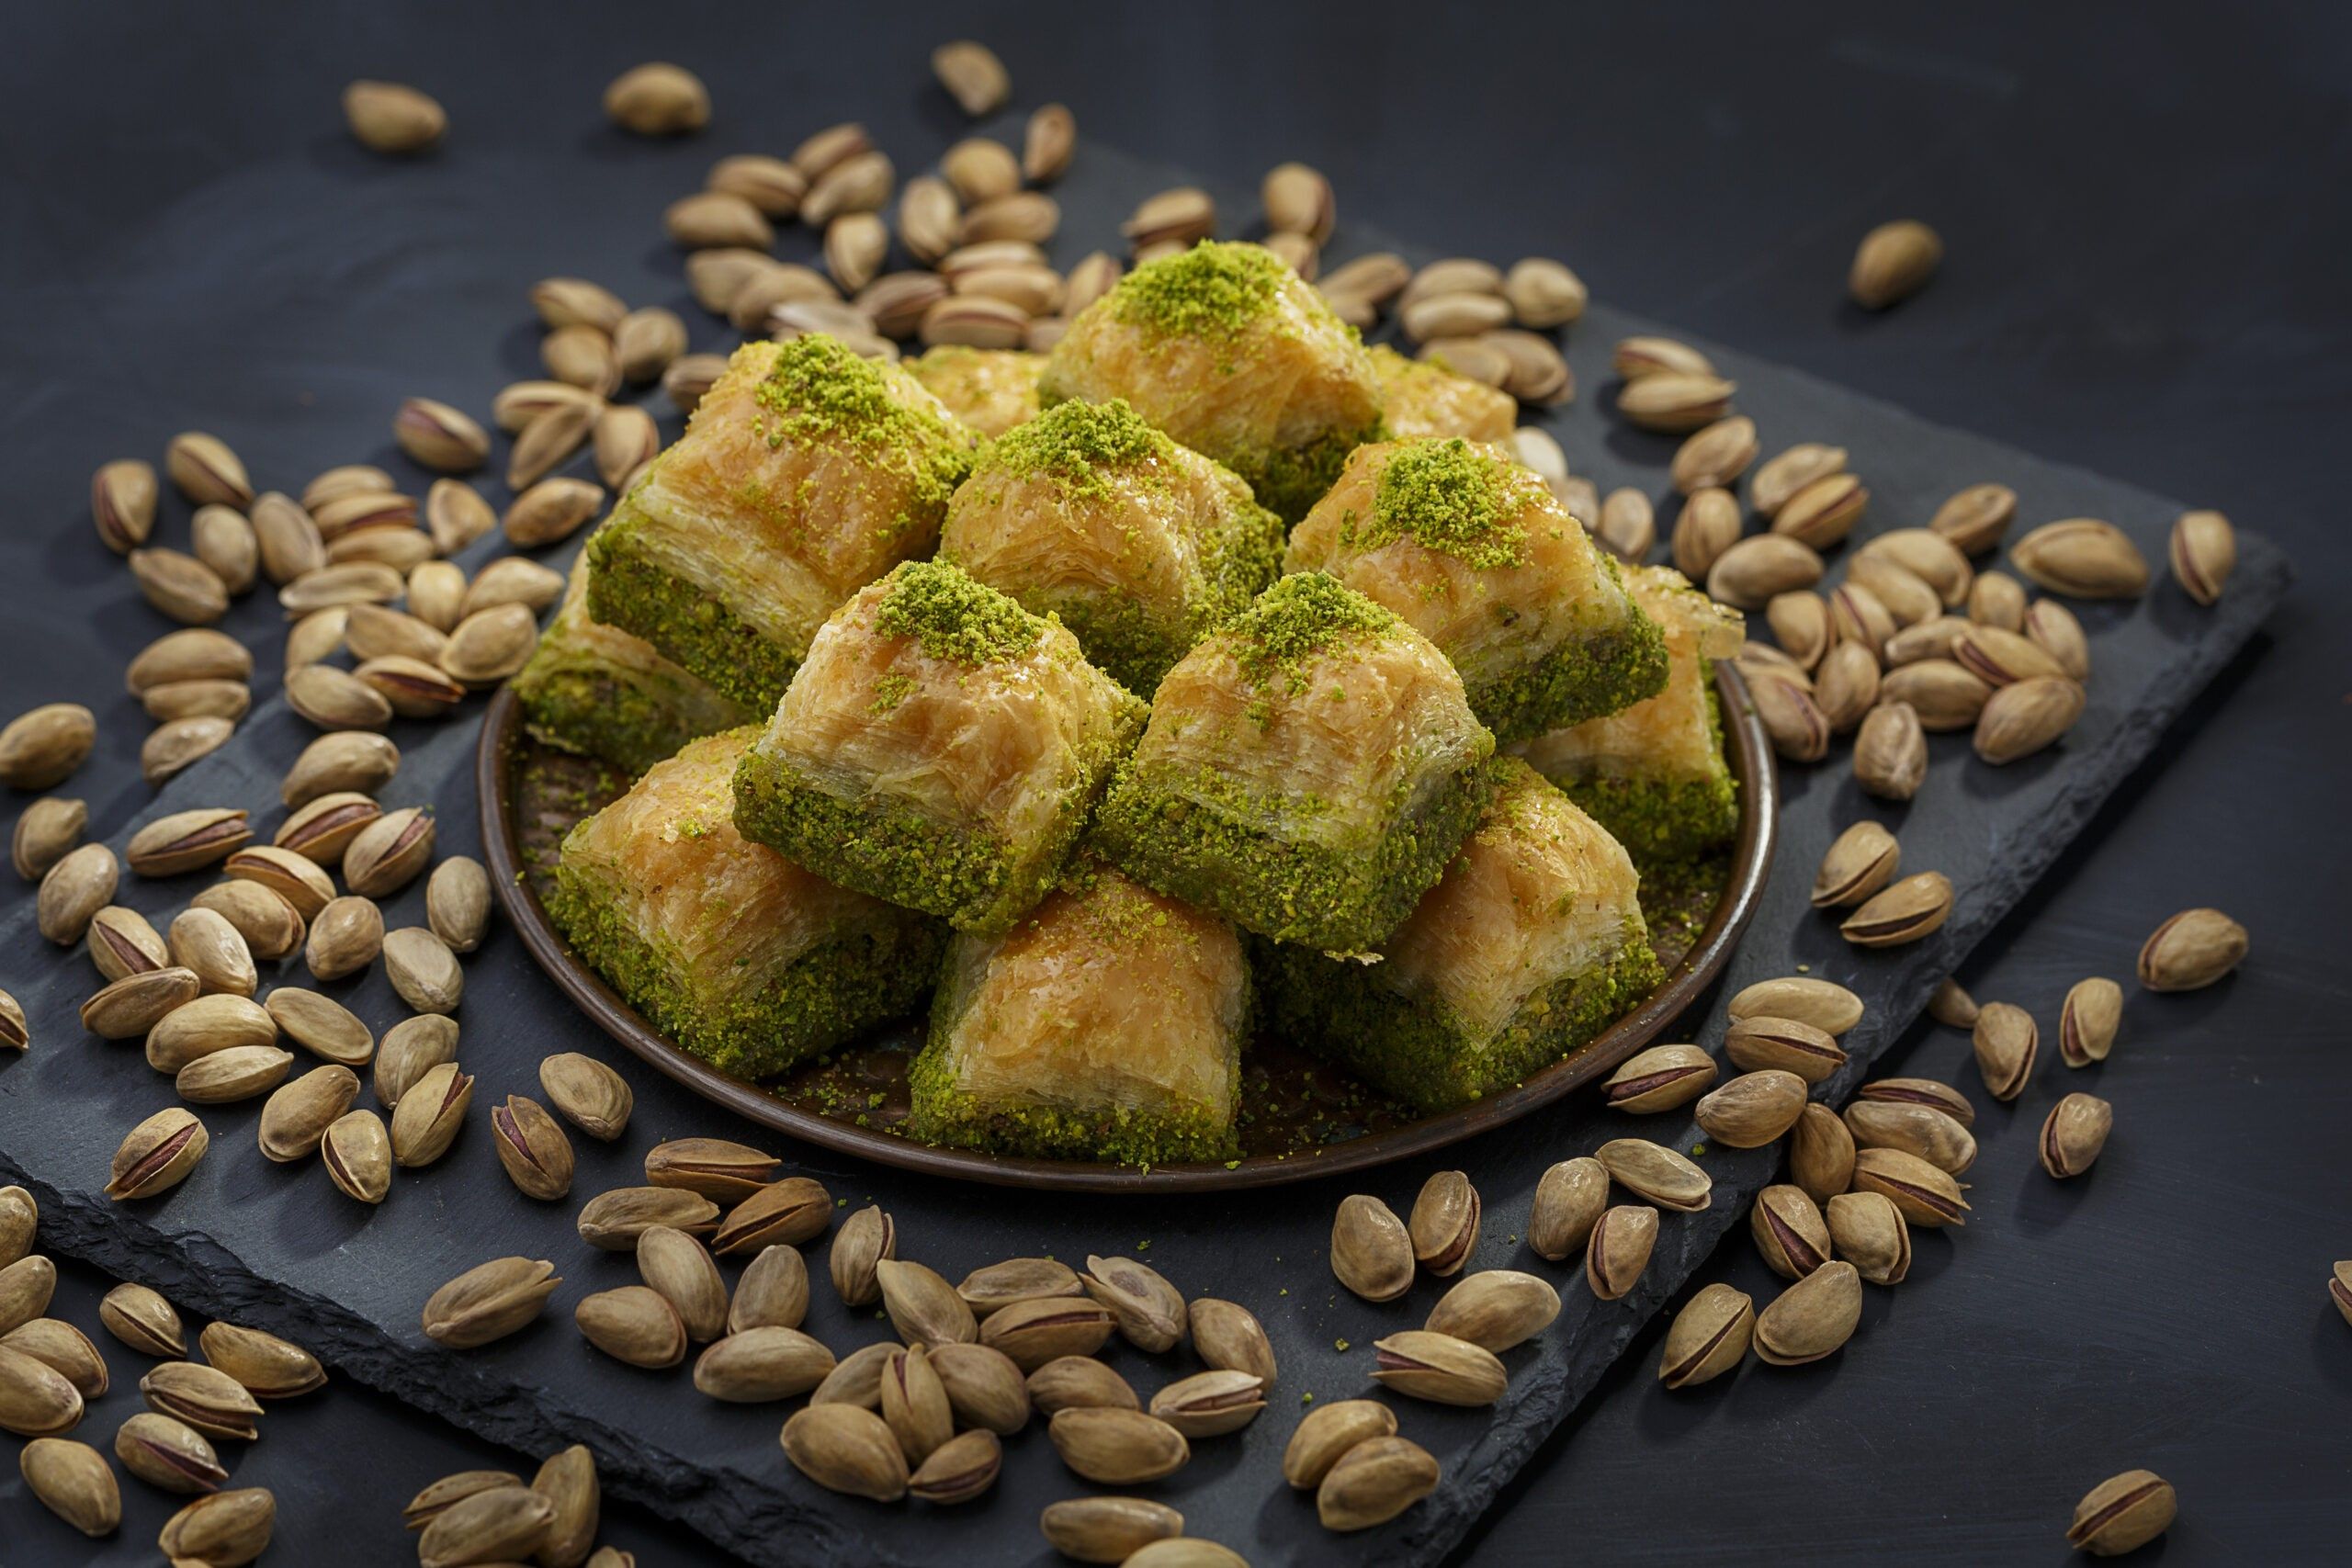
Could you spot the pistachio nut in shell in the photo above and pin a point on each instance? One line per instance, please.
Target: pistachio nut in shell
(431, 1110)
(1117, 1448)
(1893, 261)
(1657, 1174)
(1329, 1431)
(269, 1367)
(1568, 1198)
(489, 1301)
(1921, 1092)
(389, 853)
(1789, 1232)
(865, 1240)
(19, 1218)
(1439, 1368)
(1813, 1318)
(1824, 1004)
(223, 1530)
(36, 1398)
(771, 1294)
(1496, 1309)
(1709, 1337)
(532, 1148)
(1761, 1042)
(1148, 1310)
(25, 1287)
(295, 1118)
(1921, 1193)
(2007, 1042)
(497, 1523)
(143, 1320)
(994, 1286)
(2202, 551)
(206, 470)
(586, 1092)
(457, 905)
(1868, 1232)
(2073, 1133)
(984, 1388)
(1859, 864)
(1952, 1006)
(134, 1005)
(790, 1211)
(1374, 1481)
(356, 1150)
(1800, 731)
(614, 1220)
(1905, 911)
(204, 1397)
(657, 99)
(1618, 1249)
(1371, 1253)
(2190, 951)
(1821, 1154)
(2339, 1288)
(73, 891)
(635, 1324)
(157, 1155)
(1675, 402)
(241, 1072)
(1660, 1078)
(2025, 716)
(1036, 1332)
(1750, 1111)
(958, 1470)
(1079, 1383)
(271, 928)
(64, 1349)
(2083, 558)
(716, 1167)
(1444, 1222)
(1921, 1130)
(1890, 751)
(2088, 1022)
(1229, 1336)
(168, 1454)
(2123, 1513)
(1211, 1403)
(1107, 1530)
(681, 1268)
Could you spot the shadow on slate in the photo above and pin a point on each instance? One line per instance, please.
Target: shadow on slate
(278, 1248)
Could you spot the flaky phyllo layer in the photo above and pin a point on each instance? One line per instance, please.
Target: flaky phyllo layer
(1423, 401)
(1227, 350)
(1475, 552)
(1655, 774)
(941, 747)
(806, 473)
(745, 957)
(991, 390)
(1107, 1025)
(1139, 544)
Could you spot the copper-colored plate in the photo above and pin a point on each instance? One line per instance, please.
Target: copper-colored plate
(1387, 1135)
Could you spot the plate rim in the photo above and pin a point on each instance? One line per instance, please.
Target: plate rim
(1748, 751)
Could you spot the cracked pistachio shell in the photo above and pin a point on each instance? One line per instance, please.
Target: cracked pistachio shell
(357, 1153)
(1496, 1309)
(1229, 1336)
(773, 1293)
(2187, 952)
(1079, 1383)
(1921, 1130)
(1618, 1251)
(412, 1048)
(1438, 1368)
(614, 1220)
(1868, 1231)
(204, 1397)
(2123, 1513)
(1211, 1403)
(157, 1155)
(438, 1498)
(2007, 1041)
(1036, 1332)
(1444, 1222)
(727, 1172)
(1821, 1154)
(143, 1320)
(958, 1470)
(1568, 1199)
(1107, 1530)
(1906, 911)
(1371, 1484)
(1762, 1041)
(1789, 1231)
(994, 1286)
(135, 1004)
(500, 1524)
(1148, 1310)
(1921, 1193)
(1329, 1431)
(426, 1122)
(846, 1448)
(790, 1211)
(1810, 1319)
(2088, 1022)
(1710, 1337)
(865, 1240)
(2202, 552)
(1656, 1174)
(169, 1455)
(531, 1146)
(1921, 1092)
(1750, 1111)
(2073, 1133)
(984, 1388)
(489, 1301)
(1117, 1448)
(1861, 862)
(73, 1482)
(1371, 1253)
(1660, 1078)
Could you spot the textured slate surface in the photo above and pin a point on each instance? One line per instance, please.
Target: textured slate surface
(277, 1247)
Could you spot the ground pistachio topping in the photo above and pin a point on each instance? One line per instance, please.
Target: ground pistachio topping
(953, 617)
(1299, 618)
(1075, 443)
(1451, 497)
(1212, 290)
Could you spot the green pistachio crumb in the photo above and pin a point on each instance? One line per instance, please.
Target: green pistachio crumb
(956, 617)
(1212, 290)
(1300, 618)
(1074, 443)
(1450, 497)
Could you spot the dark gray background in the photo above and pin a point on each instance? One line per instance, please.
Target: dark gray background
(2146, 237)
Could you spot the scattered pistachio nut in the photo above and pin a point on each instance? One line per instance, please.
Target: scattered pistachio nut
(2192, 950)
(1813, 1318)
(1709, 1337)
(2074, 1134)
(2123, 1513)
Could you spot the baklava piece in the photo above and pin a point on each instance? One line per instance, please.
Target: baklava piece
(1423, 399)
(806, 473)
(1226, 349)
(1140, 546)
(1478, 554)
(1308, 770)
(941, 747)
(740, 956)
(595, 689)
(1532, 946)
(1106, 1025)
(1654, 775)
(991, 390)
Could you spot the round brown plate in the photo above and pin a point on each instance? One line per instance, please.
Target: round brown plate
(1750, 755)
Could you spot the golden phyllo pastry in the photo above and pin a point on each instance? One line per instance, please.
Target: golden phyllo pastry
(991, 390)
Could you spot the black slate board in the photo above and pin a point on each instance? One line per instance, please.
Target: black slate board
(276, 1249)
